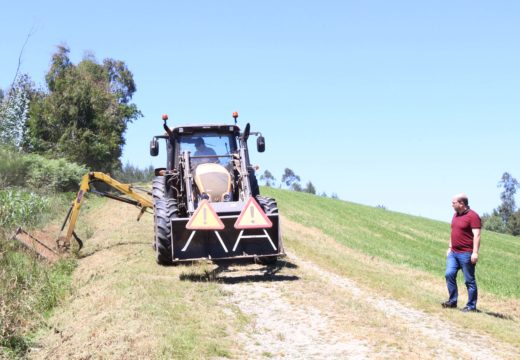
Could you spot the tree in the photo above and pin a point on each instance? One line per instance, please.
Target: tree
(494, 222)
(268, 178)
(295, 186)
(290, 179)
(14, 112)
(508, 206)
(309, 188)
(86, 112)
(513, 225)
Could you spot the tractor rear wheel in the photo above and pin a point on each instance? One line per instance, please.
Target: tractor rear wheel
(270, 207)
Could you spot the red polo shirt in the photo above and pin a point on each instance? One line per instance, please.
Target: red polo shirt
(461, 230)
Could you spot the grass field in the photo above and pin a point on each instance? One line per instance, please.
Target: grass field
(402, 239)
(123, 303)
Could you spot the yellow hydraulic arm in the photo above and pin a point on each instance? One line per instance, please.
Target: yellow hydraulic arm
(133, 197)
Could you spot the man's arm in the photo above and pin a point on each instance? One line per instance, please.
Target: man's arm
(476, 245)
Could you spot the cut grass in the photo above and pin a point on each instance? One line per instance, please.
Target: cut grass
(127, 306)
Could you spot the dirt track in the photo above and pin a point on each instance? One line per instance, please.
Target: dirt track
(296, 310)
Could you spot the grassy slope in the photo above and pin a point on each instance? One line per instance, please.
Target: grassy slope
(400, 256)
(402, 239)
(403, 257)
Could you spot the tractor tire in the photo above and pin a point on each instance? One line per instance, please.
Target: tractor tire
(270, 207)
(268, 204)
(164, 211)
(158, 187)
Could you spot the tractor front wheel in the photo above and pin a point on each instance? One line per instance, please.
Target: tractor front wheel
(164, 211)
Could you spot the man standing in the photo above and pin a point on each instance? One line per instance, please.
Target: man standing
(463, 252)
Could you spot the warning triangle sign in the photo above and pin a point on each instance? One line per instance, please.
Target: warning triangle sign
(252, 217)
(205, 218)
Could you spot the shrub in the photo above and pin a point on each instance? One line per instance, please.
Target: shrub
(37, 172)
(494, 223)
(53, 175)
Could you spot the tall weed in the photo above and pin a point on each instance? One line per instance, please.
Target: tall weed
(21, 208)
(30, 289)
(13, 170)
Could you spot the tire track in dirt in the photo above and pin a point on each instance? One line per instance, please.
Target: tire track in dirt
(281, 329)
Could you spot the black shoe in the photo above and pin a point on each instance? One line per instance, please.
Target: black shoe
(468, 309)
(449, 305)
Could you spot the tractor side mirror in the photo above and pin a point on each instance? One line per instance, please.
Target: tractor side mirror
(260, 144)
(154, 147)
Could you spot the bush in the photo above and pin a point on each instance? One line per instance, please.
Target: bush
(53, 175)
(37, 172)
(494, 223)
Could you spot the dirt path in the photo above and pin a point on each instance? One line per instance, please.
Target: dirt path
(125, 306)
(284, 328)
(291, 323)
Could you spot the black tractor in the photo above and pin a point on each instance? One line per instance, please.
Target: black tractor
(207, 203)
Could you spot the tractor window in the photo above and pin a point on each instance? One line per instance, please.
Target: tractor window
(217, 147)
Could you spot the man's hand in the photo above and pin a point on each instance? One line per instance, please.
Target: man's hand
(448, 252)
(474, 258)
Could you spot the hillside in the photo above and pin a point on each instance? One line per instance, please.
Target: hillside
(358, 282)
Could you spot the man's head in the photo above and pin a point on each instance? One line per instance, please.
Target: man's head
(199, 142)
(459, 202)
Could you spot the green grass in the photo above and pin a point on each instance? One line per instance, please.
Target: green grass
(402, 239)
(188, 314)
(29, 288)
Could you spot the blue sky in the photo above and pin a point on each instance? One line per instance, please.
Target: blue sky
(394, 103)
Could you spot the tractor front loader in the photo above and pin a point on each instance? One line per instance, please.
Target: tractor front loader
(206, 200)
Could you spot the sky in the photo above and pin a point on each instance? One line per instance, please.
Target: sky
(394, 103)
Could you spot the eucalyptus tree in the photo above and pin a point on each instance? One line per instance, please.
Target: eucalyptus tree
(85, 112)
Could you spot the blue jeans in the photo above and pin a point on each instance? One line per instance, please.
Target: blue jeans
(455, 262)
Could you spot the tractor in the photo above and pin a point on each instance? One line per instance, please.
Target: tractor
(206, 201)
